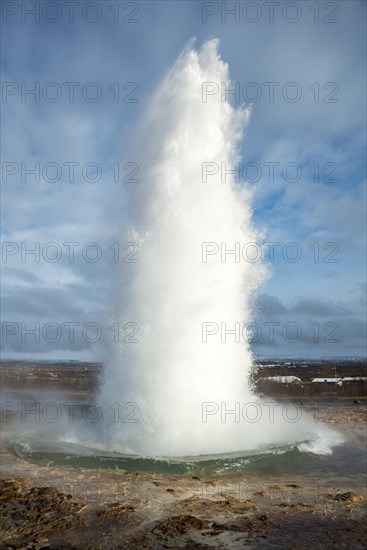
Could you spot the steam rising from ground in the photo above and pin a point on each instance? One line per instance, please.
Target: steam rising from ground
(170, 373)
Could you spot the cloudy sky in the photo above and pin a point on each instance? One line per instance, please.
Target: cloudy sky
(77, 77)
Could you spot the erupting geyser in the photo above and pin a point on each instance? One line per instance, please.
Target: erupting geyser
(182, 384)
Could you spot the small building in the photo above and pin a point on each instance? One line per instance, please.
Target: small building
(294, 380)
(353, 380)
(328, 381)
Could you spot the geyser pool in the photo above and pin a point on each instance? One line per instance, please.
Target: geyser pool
(170, 372)
(299, 459)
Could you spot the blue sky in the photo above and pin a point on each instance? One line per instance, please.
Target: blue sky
(320, 55)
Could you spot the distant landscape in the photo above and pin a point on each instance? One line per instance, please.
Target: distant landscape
(329, 377)
(286, 377)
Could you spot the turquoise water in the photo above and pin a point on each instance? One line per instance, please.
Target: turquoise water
(286, 460)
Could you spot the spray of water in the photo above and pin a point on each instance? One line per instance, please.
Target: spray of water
(182, 385)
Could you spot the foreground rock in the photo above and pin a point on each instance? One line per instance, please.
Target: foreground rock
(38, 518)
(30, 515)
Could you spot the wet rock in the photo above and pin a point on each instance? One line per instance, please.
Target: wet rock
(349, 497)
(116, 509)
(179, 524)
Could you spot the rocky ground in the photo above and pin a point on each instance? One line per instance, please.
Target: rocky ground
(45, 517)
